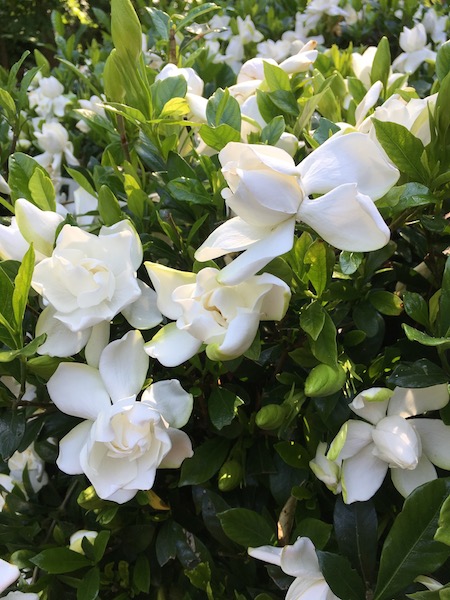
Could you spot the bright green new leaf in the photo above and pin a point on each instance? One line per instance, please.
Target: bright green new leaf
(126, 29)
(108, 207)
(414, 335)
(276, 78)
(22, 284)
(381, 65)
(219, 137)
(223, 109)
(443, 61)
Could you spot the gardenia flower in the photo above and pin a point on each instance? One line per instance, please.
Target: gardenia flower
(47, 98)
(224, 317)
(122, 441)
(54, 140)
(33, 463)
(21, 596)
(300, 561)
(269, 193)
(388, 438)
(89, 279)
(413, 43)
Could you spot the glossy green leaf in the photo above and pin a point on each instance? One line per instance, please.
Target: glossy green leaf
(222, 407)
(108, 207)
(90, 585)
(247, 527)
(381, 65)
(12, 429)
(410, 548)
(443, 61)
(443, 531)
(344, 581)
(276, 78)
(219, 137)
(350, 261)
(414, 335)
(22, 285)
(60, 560)
(141, 574)
(312, 319)
(421, 373)
(223, 109)
(318, 272)
(386, 303)
(325, 347)
(207, 460)
(42, 192)
(416, 308)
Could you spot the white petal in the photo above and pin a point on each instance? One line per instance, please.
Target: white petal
(172, 346)
(170, 400)
(408, 402)
(406, 481)
(98, 341)
(435, 437)
(362, 476)
(78, 390)
(371, 404)
(8, 574)
(268, 554)
(238, 338)
(300, 559)
(143, 313)
(368, 102)
(257, 156)
(60, 341)
(358, 436)
(13, 245)
(181, 449)
(277, 242)
(346, 219)
(126, 228)
(276, 301)
(309, 589)
(350, 158)
(70, 448)
(123, 366)
(37, 226)
(165, 280)
(397, 442)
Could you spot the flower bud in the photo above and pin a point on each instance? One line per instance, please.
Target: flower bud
(230, 475)
(270, 416)
(324, 380)
(397, 442)
(77, 538)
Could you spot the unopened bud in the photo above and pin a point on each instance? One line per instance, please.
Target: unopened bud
(270, 416)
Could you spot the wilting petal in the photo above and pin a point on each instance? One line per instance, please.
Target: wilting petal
(181, 449)
(70, 448)
(172, 346)
(435, 437)
(257, 256)
(143, 313)
(165, 280)
(406, 481)
(371, 404)
(78, 390)
(362, 475)
(300, 559)
(408, 402)
(346, 219)
(124, 365)
(170, 400)
(350, 158)
(60, 340)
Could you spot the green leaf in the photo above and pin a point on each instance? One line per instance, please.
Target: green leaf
(90, 585)
(285, 101)
(126, 30)
(22, 285)
(316, 258)
(200, 576)
(421, 373)
(350, 261)
(317, 531)
(108, 206)
(42, 192)
(414, 335)
(246, 527)
(207, 460)
(12, 429)
(164, 90)
(189, 190)
(219, 137)
(141, 574)
(344, 581)
(410, 548)
(28, 350)
(60, 560)
(402, 147)
(21, 170)
(7, 103)
(386, 303)
(7, 277)
(443, 320)
(381, 65)
(100, 543)
(276, 78)
(196, 12)
(312, 319)
(443, 61)
(222, 407)
(271, 133)
(443, 532)
(416, 308)
(325, 347)
(82, 180)
(356, 527)
(223, 109)
(293, 454)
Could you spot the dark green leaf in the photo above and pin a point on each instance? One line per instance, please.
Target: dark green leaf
(221, 407)
(141, 574)
(386, 303)
(421, 373)
(108, 207)
(164, 90)
(416, 307)
(344, 581)
(443, 61)
(325, 347)
(443, 531)
(12, 429)
(271, 133)
(443, 319)
(90, 585)
(60, 560)
(317, 531)
(246, 527)
(312, 319)
(160, 21)
(414, 335)
(410, 549)
(207, 460)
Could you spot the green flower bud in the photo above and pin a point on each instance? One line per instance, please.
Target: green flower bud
(270, 416)
(230, 475)
(324, 380)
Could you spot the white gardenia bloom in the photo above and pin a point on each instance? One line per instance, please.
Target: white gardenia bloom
(89, 279)
(122, 441)
(77, 538)
(54, 140)
(415, 51)
(47, 98)
(6, 486)
(33, 463)
(328, 471)
(8, 574)
(21, 596)
(300, 561)
(388, 438)
(247, 31)
(194, 82)
(4, 187)
(224, 317)
(269, 193)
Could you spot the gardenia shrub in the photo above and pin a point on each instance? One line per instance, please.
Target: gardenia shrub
(225, 305)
